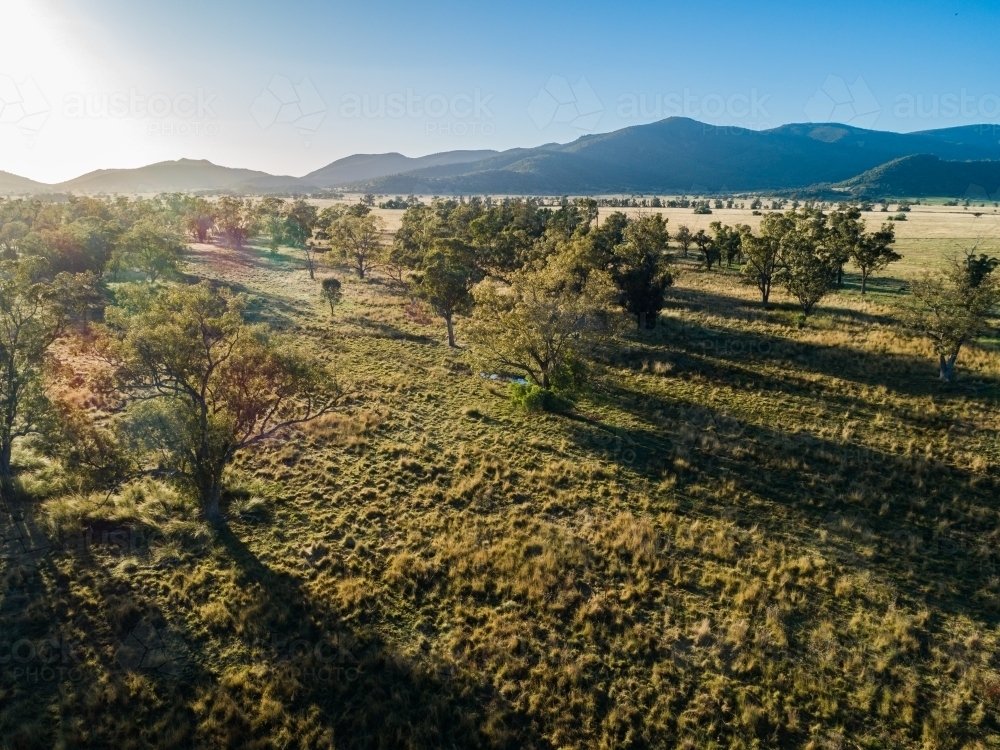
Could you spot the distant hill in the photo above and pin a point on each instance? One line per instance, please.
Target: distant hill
(923, 175)
(676, 155)
(361, 167)
(11, 184)
(171, 176)
(682, 155)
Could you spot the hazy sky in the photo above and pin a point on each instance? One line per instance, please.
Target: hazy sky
(287, 87)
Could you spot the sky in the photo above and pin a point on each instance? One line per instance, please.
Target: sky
(287, 87)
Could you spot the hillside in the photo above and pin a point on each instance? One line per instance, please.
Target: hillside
(170, 176)
(924, 175)
(11, 184)
(361, 167)
(682, 155)
(676, 155)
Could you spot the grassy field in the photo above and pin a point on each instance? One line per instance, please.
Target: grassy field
(745, 534)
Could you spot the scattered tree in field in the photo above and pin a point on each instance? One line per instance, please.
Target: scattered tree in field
(331, 291)
(31, 319)
(952, 308)
(237, 218)
(808, 269)
(873, 252)
(445, 280)
(539, 322)
(727, 241)
(684, 238)
(204, 384)
(709, 252)
(300, 219)
(359, 238)
(272, 218)
(762, 254)
(639, 268)
(845, 232)
(309, 250)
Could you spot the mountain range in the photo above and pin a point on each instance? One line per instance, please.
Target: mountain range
(676, 155)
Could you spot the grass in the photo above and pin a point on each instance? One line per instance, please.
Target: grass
(746, 534)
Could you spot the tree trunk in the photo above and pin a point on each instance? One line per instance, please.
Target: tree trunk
(208, 478)
(451, 331)
(864, 283)
(947, 368)
(211, 495)
(5, 451)
(840, 275)
(545, 380)
(650, 321)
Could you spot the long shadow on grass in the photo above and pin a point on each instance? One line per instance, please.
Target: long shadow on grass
(697, 300)
(927, 524)
(348, 677)
(732, 356)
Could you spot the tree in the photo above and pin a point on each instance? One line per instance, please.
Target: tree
(445, 279)
(684, 238)
(300, 218)
(706, 246)
(639, 268)
(588, 207)
(808, 269)
(31, 319)
(763, 254)
(204, 385)
(273, 221)
(199, 217)
(331, 291)
(873, 252)
(951, 308)
(728, 241)
(539, 322)
(238, 220)
(150, 248)
(360, 239)
(845, 233)
(11, 235)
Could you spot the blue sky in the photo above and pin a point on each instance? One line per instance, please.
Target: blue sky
(288, 87)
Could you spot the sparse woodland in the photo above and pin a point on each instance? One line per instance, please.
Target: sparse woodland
(515, 473)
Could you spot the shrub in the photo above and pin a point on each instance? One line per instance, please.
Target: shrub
(534, 399)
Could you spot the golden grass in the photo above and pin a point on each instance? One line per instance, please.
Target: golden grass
(747, 534)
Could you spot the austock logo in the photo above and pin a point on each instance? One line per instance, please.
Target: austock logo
(298, 104)
(559, 101)
(850, 104)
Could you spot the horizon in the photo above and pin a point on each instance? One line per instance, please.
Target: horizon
(100, 84)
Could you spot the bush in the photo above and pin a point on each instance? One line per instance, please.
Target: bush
(534, 399)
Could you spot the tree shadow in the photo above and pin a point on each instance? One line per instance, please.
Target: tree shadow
(861, 507)
(330, 676)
